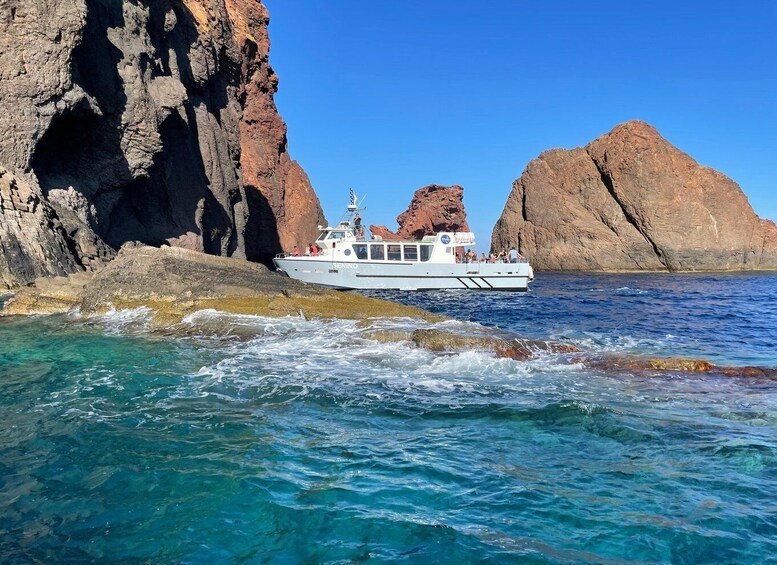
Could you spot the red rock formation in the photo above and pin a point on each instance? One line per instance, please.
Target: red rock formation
(384, 233)
(630, 200)
(273, 182)
(434, 208)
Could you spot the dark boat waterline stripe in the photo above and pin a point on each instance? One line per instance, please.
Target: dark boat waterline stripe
(482, 277)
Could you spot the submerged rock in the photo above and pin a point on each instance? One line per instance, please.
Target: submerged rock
(631, 201)
(501, 343)
(503, 346)
(675, 365)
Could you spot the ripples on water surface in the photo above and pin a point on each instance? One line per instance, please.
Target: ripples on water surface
(253, 439)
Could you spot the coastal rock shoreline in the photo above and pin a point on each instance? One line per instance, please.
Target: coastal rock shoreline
(174, 284)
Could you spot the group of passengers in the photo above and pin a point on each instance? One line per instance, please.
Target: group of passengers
(511, 256)
(311, 250)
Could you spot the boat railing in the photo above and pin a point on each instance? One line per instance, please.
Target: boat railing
(285, 255)
(482, 261)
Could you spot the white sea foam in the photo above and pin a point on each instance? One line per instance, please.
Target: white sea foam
(123, 320)
(293, 357)
(624, 290)
(608, 343)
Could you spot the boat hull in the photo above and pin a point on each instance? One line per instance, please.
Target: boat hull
(365, 275)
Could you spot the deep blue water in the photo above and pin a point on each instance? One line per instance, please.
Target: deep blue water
(248, 439)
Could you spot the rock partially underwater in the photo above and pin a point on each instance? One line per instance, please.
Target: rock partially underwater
(175, 282)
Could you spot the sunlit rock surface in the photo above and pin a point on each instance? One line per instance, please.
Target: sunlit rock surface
(630, 200)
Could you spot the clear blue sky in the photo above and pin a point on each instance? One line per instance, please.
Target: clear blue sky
(388, 96)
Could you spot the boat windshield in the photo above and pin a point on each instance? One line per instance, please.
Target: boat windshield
(336, 235)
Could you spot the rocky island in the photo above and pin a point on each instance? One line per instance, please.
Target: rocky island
(631, 201)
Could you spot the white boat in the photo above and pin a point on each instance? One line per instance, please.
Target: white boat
(347, 260)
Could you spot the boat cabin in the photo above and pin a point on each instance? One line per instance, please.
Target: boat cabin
(342, 243)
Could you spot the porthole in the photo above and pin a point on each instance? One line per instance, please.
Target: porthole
(347, 252)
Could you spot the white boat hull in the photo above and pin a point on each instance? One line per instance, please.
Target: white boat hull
(399, 275)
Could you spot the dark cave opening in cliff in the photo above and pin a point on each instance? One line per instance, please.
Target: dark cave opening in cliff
(70, 151)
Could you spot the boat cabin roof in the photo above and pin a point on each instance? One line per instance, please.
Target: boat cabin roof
(344, 231)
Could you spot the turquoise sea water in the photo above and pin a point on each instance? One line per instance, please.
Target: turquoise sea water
(248, 439)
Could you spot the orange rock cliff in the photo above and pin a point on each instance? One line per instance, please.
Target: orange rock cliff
(434, 208)
(631, 201)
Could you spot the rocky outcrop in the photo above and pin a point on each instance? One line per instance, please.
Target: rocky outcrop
(151, 120)
(630, 200)
(39, 238)
(434, 208)
(176, 282)
(280, 197)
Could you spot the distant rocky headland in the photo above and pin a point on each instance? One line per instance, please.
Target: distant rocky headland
(631, 201)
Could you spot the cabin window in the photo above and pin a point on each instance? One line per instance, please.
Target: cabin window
(336, 235)
(449, 249)
(411, 252)
(361, 250)
(376, 252)
(426, 252)
(322, 236)
(394, 252)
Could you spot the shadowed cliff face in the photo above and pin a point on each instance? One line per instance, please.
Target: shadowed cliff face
(630, 200)
(142, 121)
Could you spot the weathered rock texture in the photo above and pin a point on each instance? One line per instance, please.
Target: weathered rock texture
(630, 200)
(434, 208)
(176, 282)
(148, 120)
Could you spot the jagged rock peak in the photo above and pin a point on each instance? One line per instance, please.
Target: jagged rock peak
(630, 200)
(434, 208)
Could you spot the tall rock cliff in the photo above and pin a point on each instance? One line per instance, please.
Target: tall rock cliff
(434, 208)
(630, 200)
(148, 120)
